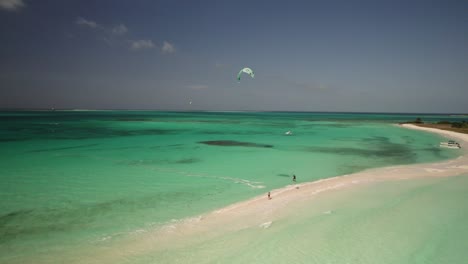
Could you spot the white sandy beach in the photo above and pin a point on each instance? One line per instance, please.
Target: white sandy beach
(262, 213)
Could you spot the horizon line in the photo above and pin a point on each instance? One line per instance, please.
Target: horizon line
(220, 111)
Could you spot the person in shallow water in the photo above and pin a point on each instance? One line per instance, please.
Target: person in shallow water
(294, 178)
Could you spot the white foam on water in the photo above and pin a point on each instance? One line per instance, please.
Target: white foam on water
(432, 170)
(266, 225)
(105, 238)
(168, 228)
(138, 231)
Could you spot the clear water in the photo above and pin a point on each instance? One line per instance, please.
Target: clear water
(72, 180)
(413, 221)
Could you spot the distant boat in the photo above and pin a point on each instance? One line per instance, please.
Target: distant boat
(450, 144)
(288, 132)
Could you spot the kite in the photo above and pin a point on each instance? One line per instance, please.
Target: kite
(245, 70)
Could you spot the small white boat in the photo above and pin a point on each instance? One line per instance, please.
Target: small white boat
(288, 133)
(450, 144)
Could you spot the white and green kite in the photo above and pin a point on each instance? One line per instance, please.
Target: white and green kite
(246, 70)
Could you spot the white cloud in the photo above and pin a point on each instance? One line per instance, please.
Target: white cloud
(113, 35)
(168, 47)
(141, 44)
(120, 29)
(198, 87)
(85, 22)
(11, 5)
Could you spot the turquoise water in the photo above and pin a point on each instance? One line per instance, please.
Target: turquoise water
(74, 179)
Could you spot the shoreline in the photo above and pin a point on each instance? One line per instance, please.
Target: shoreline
(451, 167)
(443, 132)
(261, 213)
(446, 127)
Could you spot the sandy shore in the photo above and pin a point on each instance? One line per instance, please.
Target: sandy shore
(262, 213)
(281, 198)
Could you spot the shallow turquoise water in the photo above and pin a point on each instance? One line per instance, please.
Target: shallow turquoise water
(413, 221)
(78, 178)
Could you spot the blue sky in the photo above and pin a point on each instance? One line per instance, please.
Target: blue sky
(364, 56)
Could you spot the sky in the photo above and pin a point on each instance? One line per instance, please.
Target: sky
(333, 56)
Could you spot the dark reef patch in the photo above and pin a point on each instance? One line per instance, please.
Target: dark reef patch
(48, 222)
(168, 146)
(395, 152)
(187, 161)
(141, 162)
(377, 147)
(64, 148)
(72, 131)
(436, 151)
(134, 119)
(13, 215)
(233, 143)
(10, 139)
(151, 162)
(214, 132)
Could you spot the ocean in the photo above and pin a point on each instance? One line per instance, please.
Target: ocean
(74, 183)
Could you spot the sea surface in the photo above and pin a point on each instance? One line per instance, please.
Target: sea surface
(78, 181)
